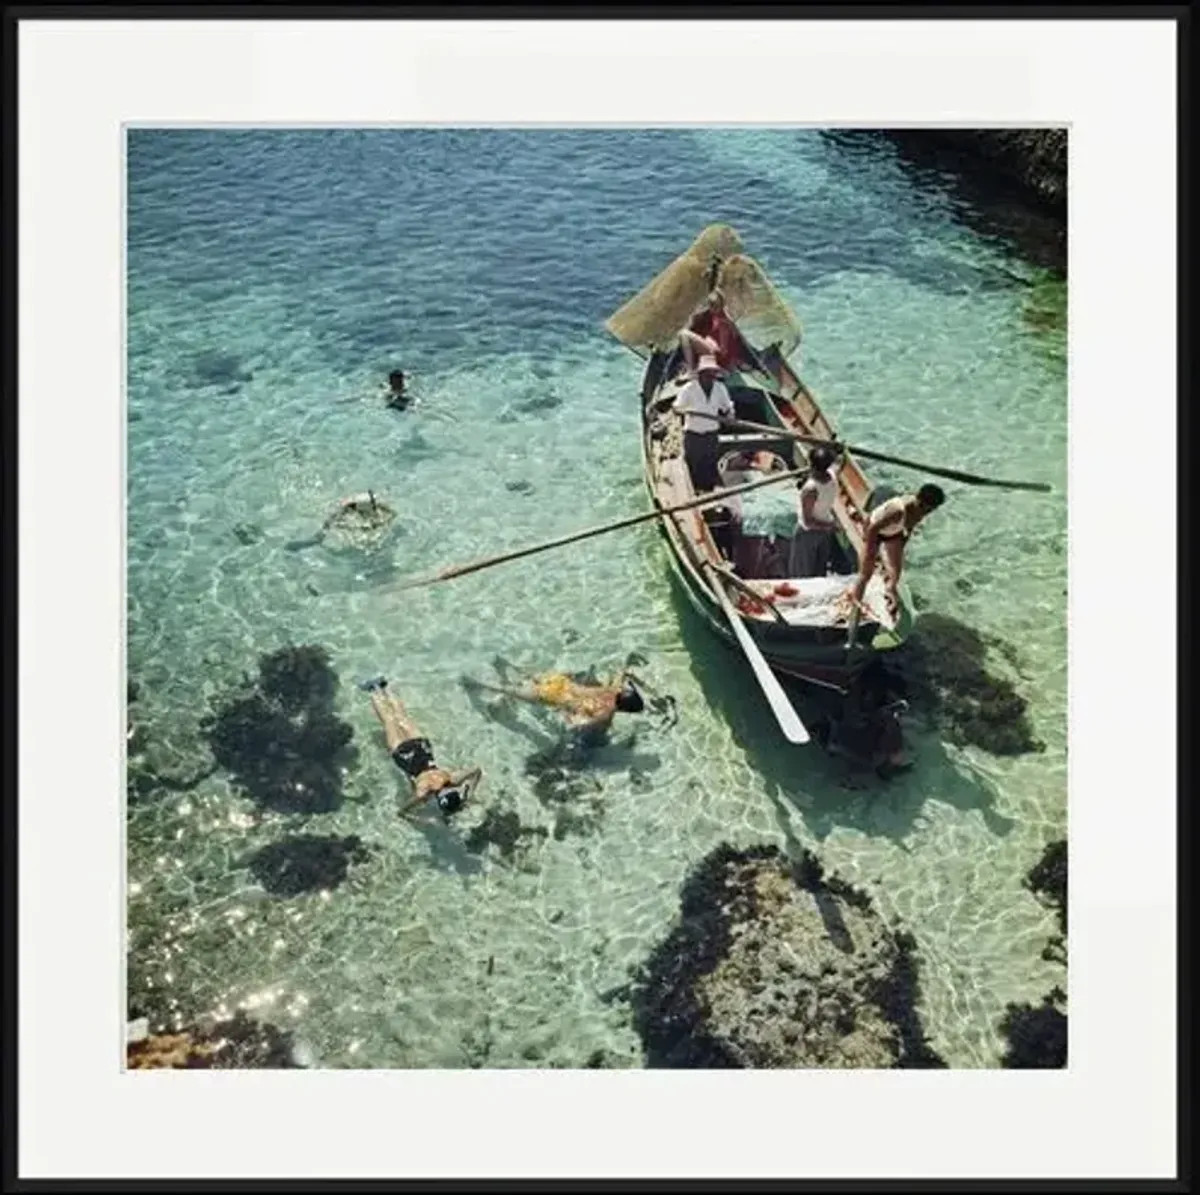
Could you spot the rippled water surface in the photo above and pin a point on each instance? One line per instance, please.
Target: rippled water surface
(273, 279)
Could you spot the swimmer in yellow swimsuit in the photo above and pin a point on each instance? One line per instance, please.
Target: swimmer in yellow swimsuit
(588, 709)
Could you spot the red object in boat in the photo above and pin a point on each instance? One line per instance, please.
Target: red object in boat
(748, 606)
(786, 590)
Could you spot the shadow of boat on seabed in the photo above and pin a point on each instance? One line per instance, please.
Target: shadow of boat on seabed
(813, 781)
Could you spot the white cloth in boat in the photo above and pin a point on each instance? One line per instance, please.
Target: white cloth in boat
(826, 495)
(700, 409)
(816, 602)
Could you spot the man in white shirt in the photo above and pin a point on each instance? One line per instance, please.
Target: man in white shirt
(703, 402)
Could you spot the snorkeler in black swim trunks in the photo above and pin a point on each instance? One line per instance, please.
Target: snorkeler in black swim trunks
(413, 755)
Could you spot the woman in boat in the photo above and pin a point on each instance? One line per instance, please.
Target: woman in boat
(588, 709)
(413, 755)
(703, 402)
(711, 332)
(887, 531)
(816, 549)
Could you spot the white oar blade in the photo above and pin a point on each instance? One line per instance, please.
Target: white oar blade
(785, 714)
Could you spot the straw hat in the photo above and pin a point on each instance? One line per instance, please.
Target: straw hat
(708, 363)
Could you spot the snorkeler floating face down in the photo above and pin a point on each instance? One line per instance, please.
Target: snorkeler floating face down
(587, 707)
(412, 753)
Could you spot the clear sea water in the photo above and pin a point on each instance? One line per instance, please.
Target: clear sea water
(274, 277)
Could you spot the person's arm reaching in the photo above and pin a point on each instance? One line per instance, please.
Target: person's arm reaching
(468, 781)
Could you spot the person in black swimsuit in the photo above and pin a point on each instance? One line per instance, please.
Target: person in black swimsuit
(413, 755)
(887, 531)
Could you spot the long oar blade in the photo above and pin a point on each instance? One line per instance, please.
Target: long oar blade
(785, 714)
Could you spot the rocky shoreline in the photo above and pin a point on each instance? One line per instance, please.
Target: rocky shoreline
(1035, 160)
(1037, 1034)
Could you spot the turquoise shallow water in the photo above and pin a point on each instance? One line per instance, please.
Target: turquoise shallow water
(273, 279)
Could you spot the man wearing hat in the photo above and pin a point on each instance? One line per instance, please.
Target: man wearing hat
(703, 402)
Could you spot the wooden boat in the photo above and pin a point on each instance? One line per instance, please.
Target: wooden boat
(802, 626)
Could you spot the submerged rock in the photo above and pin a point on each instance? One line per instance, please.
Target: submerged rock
(281, 742)
(238, 1043)
(944, 668)
(247, 533)
(1037, 1036)
(215, 368)
(562, 783)
(1048, 877)
(775, 965)
(503, 829)
(1033, 159)
(537, 403)
(305, 863)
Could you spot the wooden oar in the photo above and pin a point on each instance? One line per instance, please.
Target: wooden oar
(712, 498)
(785, 714)
(1040, 487)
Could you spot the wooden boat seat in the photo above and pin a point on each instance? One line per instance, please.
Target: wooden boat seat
(781, 445)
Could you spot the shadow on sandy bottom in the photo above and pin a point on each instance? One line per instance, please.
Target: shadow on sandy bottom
(823, 788)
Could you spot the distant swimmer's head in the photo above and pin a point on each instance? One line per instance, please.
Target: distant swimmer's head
(396, 382)
(931, 496)
(629, 700)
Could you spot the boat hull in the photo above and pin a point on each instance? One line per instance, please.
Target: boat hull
(818, 655)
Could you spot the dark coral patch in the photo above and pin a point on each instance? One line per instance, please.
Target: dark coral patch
(305, 863)
(774, 965)
(281, 741)
(1037, 1036)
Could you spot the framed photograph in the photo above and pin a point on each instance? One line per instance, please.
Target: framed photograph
(580, 582)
